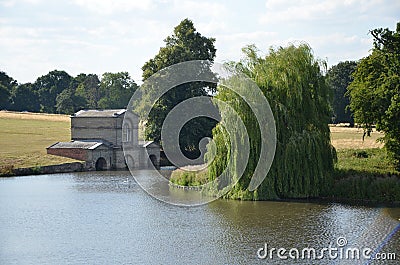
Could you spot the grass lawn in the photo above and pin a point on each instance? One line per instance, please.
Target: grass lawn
(351, 138)
(374, 160)
(354, 154)
(25, 136)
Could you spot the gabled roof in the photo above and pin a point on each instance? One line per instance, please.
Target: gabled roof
(88, 145)
(110, 113)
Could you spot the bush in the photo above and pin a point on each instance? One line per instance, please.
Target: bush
(366, 187)
(189, 178)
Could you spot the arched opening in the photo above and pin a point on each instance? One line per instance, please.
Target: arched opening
(130, 162)
(154, 160)
(101, 164)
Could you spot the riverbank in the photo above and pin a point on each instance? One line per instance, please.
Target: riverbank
(361, 176)
(349, 187)
(53, 169)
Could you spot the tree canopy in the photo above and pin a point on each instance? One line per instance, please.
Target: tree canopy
(375, 91)
(184, 44)
(49, 86)
(339, 78)
(25, 98)
(59, 92)
(117, 89)
(7, 84)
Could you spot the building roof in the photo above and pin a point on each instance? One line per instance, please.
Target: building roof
(89, 145)
(148, 143)
(110, 113)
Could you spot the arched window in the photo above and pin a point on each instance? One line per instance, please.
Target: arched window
(126, 133)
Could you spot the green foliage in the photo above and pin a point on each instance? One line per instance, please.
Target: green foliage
(25, 98)
(7, 84)
(4, 97)
(184, 45)
(365, 176)
(374, 161)
(68, 102)
(117, 89)
(189, 178)
(58, 92)
(49, 86)
(88, 87)
(293, 82)
(364, 186)
(339, 78)
(375, 91)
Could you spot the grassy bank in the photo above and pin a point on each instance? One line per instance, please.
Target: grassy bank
(373, 160)
(365, 175)
(25, 136)
(363, 172)
(189, 176)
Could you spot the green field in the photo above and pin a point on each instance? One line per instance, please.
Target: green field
(25, 136)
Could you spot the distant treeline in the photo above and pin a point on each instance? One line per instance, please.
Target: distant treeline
(59, 92)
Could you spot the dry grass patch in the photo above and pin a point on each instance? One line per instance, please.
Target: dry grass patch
(351, 138)
(25, 136)
(33, 116)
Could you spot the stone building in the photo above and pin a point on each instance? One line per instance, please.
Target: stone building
(97, 137)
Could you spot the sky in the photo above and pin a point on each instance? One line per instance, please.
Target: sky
(98, 36)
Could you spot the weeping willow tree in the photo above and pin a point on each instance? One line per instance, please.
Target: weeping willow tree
(292, 80)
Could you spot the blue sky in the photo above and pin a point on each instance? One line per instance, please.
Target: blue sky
(97, 36)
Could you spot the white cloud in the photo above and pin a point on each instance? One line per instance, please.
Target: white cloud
(208, 17)
(110, 7)
(200, 8)
(229, 46)
(11, 3)
(303, 10)
(278, 11)
(95, 36)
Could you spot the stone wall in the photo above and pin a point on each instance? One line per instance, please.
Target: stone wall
(62, 168)
(74, 153)
(105, 128)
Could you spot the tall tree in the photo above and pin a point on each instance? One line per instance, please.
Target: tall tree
(7, 84)
(339, 78)
(375, 91)
(117, 89)
(25, 98)
(49, 86)
(68, 102)
(292, 81)
(89, 88)
(184, 44)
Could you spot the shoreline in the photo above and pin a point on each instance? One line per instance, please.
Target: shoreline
(319, 200)
(80, 167)
(41, 170)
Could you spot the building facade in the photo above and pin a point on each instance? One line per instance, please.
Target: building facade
(98, 138)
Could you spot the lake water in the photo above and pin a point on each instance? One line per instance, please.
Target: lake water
(106, 218)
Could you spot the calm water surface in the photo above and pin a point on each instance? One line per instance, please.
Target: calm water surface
(106, 218)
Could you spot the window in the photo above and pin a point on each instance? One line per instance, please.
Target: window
(126, 134)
